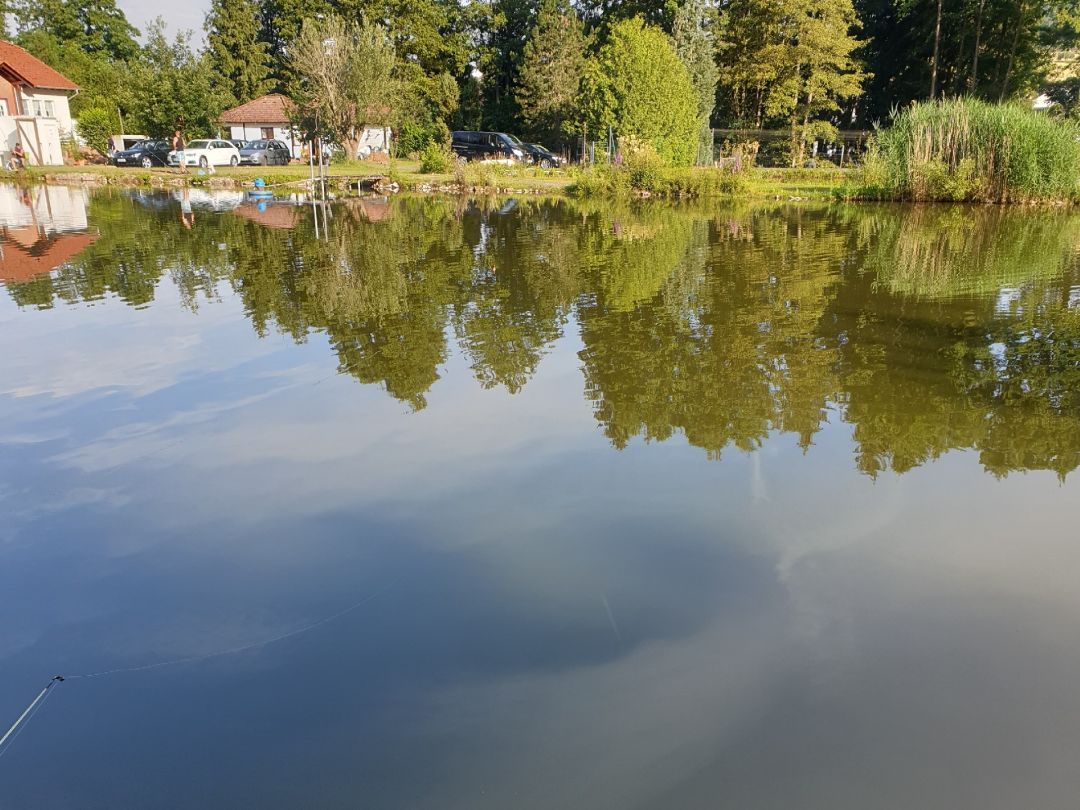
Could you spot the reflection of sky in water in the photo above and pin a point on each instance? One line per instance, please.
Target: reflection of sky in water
(557, 624)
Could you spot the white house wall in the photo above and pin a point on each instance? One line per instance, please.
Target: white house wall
(374, 139)
(254, 132)
(31, 99)
(40, 138)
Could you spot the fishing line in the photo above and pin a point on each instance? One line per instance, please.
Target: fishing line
(13, 733)
(17, 728)
(234, 650)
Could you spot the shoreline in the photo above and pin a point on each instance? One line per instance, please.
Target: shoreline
(797, 184)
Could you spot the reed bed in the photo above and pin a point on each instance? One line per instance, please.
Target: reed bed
(965, 150)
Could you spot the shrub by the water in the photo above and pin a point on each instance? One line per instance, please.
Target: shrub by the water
(643, 172)
(436, 159)
(969, 150)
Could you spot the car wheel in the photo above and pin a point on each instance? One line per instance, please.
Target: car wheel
(204, 163)
(545, 164)
(234, 160)
(147, 163)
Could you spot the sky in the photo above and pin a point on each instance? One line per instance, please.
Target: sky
(179, 15)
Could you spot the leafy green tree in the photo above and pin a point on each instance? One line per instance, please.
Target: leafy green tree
(992, 49)
(103, 103)
(791, 62)
(235, 52)
(280, 22)
(817, 69)
(551, 70)
(500, 31)
(696, 47)
(637, 84)
(346, 73)
(602, 14)
(94, 26)
(174, 87)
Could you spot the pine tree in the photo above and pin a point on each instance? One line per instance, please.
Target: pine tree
(240, 59)
(697, 49)
(550, 76)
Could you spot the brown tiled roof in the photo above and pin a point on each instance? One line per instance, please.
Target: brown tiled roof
(17, 63)
(271, 109)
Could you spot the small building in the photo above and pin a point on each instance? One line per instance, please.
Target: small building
(271, 117)
(34, 107)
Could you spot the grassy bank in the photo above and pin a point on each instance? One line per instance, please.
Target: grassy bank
(472, 178)
(965, 150)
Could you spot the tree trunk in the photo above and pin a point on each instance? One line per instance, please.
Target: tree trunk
(973, 79)
(804, 130)
(937, 51)
(1012, 53)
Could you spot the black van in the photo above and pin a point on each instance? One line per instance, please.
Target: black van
(479, 145)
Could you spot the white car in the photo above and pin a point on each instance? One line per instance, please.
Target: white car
(207, 153)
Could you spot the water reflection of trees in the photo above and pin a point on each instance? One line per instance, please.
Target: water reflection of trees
(926, 330)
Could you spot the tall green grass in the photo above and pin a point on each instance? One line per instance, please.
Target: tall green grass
(969, 150)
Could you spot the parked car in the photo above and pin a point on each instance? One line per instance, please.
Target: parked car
(119, 143)
(206, 153)
(542, 156)
(487, 146)
(239, 144)
(265, 153)
(147, 154)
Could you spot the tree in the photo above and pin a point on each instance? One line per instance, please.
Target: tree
(818, 69)
(345, 75)
(637, 84)
(174, 86)
(603, 14)
(551, 70)
(697, 49)
(239, 58)
(280, 22)
(94, 26)
(105, 90)
(792, 62)
(991, 49)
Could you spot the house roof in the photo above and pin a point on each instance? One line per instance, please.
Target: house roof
(269, 109)
(18, 64)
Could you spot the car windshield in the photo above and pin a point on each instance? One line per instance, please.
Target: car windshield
(199, 145)
(541, 149)
(514, 140)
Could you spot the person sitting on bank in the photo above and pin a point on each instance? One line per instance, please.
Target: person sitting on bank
(18, 157)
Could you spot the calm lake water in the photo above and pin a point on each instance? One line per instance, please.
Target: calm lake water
(521, 504)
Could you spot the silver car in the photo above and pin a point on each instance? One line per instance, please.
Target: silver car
(265, 153)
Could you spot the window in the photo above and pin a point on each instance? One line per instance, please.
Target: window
(49, 110)
(37, 109)
(267, 133)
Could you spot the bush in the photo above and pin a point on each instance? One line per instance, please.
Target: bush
(415, 137)
(96, 125)
(480, 175)
(436, 159)
(969, 150)
(657, 181)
